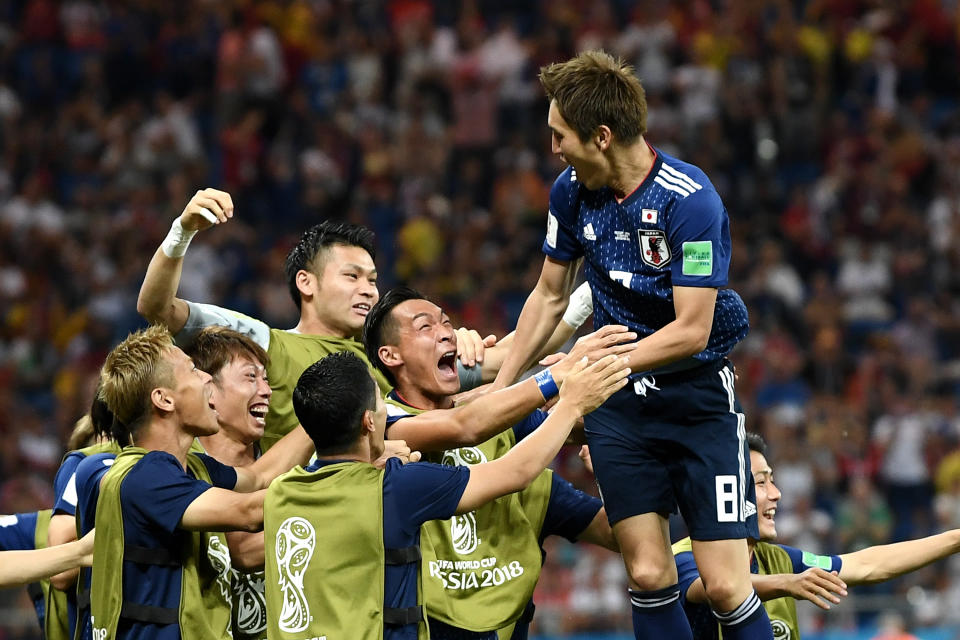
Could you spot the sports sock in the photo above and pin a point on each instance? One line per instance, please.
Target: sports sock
(658, 614)
(749, 621)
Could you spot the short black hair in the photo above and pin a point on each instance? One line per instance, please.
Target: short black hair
(330, 399)
(318, 237)
(755, 442)
(379, 326)
(105, 424)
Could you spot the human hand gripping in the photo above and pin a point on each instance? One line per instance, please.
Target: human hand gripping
(396, 449)
(587, 387)
(470, 346)
(816, 585)
(206, 208)
(612, 339)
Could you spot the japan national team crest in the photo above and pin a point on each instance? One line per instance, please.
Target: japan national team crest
(654, 248)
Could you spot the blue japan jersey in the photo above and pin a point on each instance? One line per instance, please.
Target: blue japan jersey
(673, 230)
(153, 496)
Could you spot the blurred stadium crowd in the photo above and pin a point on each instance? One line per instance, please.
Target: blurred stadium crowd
(830, 127)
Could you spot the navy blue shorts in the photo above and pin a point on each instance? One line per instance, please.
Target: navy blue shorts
(676, 440)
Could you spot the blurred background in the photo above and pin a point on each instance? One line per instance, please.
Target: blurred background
(831, 129)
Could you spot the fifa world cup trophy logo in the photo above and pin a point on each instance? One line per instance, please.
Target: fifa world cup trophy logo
(296, 540)
(463, 528)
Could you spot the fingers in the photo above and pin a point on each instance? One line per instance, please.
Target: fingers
(552, 359)
(470, 347)
(490, 340)
(415, 456)
(210, 216)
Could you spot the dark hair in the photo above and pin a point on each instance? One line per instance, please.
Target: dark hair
(215, 347)
(755, 442)
(594, 88)
(330, 399)
(379, 327)
(105, 424)
(305, 253)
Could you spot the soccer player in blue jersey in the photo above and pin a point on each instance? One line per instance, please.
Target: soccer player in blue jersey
(654, 239)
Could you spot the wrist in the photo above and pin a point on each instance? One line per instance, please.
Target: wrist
(177, 240)
(546, 383)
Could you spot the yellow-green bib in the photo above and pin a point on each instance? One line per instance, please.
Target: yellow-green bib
(204, 612)
(480, 568)
(325, 556)
(290, 355)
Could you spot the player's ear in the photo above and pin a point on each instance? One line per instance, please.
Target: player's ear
(162, 399)
(603, 137)
(306, 282)
(369, 422)
(390, 356)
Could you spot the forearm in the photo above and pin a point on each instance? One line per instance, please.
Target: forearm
(63, 529)
(531, 455)
(539, 318)
(769, 587)
(23, 567)
(157, 301)
(495, 356)
(883, 562)
(494, 412)
(246, 550)
(674, 341)
(294, 448)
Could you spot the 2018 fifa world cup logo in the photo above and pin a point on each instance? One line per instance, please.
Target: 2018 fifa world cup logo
(249, 602)
(296, 540)
(219, 556)
(463, 528)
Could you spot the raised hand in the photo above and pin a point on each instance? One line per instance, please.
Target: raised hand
(587, 387)
(816, 585)
(206, 208)
(613, 339)
(470, 346)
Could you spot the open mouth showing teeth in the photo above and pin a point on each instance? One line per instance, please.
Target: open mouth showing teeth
(260, 413)
(363, 307)
(769, 513)
(448, 362)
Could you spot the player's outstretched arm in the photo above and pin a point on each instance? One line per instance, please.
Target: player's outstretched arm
(223, 510)
(23, 567)
(579, 308)
(539, 318)
(585, 389)
(687, 335)
(816, 585)
(158, 302)
(294, 448)
(884, 562)
(478, 421)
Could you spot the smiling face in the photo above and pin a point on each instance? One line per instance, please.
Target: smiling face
(425, 348)
(768, 496)
(192, 390)
(241, 395)
(585, 157)
(343, 289)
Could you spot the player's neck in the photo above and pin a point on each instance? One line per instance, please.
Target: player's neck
(418, 398)
(164, 435)
(629, 167)
(311, 325)
(227, 449)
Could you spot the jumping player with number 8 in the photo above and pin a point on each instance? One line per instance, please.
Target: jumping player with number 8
(654, 239)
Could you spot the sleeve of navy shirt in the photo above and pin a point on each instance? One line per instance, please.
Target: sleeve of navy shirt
(699, 237)
(561, 241)
(157, 491)
(222, 475)
(17, 531)
(569, 511)
(687, 573)
(426, 491)
(89, 473)
(803, 560)
(529, 424)
(65, 485)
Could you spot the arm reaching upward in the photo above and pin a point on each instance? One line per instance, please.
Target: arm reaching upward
(585, 389)
(158, 302)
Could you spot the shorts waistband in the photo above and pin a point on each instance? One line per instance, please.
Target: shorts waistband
(684, 375)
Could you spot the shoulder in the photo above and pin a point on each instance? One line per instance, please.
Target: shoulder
(564, 192)
(94, 464)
